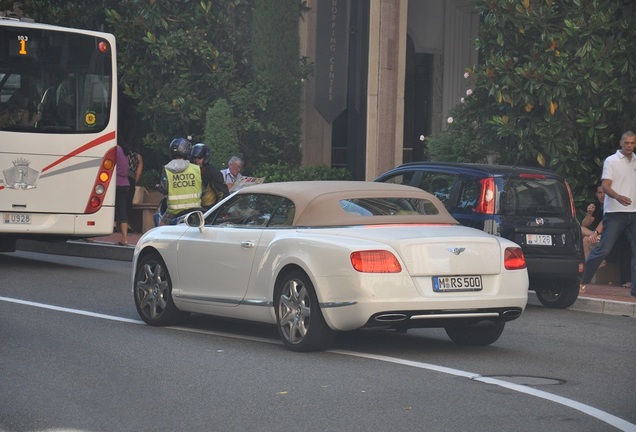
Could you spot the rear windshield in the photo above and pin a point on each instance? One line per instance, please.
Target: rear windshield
(534, 197)
(388, 206)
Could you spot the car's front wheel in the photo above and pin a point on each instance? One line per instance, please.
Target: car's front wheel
(558, 294)
(298, 317)
(153, 293)
(475, 335)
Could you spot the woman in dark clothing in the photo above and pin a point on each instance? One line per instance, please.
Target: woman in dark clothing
(135, 168)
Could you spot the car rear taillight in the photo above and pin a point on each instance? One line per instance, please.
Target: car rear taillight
(486, 203)
(514, 259)
(375, 261)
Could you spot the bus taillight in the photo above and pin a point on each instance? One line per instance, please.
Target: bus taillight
(95, 202)
(102, 181)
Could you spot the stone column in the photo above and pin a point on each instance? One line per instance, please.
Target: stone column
(385, 96)
(316, 132)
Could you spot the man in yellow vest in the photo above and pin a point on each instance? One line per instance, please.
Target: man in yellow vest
(181, 182)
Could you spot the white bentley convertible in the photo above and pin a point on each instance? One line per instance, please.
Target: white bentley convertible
(316, 258)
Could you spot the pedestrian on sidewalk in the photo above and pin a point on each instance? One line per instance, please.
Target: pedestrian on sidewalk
(233, 171)
(135, 168)
(619, 184)
(121, 195)
(592, 223)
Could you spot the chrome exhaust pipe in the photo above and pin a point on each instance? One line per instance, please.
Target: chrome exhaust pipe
(514, 313)
(391, 318)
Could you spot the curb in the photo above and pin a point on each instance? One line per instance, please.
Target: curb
(79, 248)
(607, 307)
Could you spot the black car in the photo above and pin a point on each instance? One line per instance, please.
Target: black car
(531, 206)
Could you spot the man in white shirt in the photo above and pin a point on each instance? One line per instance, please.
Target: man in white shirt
(619, 185)
(233, 171)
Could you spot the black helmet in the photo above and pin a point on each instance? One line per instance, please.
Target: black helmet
(200, 150)
(180, 148)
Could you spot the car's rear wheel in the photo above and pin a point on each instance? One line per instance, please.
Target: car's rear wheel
(298, 317)
(558, 294)
(153, 293)
(475, 335)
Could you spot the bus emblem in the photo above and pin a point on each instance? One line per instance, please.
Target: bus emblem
(21, 176)
(90, 119)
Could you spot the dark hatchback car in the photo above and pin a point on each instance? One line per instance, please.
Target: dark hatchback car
(532, 207)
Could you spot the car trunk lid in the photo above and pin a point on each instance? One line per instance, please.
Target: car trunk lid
(443, 250)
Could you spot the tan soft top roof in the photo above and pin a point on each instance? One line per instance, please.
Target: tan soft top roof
(318, 202)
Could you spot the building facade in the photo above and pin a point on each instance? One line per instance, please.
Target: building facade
(387, 72)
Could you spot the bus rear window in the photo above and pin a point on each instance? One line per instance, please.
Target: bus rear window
(53, 81)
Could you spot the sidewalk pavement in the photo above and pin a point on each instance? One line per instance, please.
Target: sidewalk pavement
(605, 299)
(106, 247)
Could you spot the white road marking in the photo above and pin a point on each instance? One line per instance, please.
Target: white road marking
(610, 419)
(71, 311)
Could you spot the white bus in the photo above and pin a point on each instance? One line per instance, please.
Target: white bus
(58, 132)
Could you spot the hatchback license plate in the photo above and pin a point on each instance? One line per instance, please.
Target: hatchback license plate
(457, 283)
(17, 218)
(539, 239)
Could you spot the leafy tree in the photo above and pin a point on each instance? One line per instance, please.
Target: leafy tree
(86, 14)
(554, 87)
(176, 57)
(221, 133)
(277, 74)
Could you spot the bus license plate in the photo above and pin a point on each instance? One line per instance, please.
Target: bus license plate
(17, 218)
(539, 239)
(457, 283)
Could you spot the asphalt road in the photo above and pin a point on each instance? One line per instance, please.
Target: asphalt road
(75, 356)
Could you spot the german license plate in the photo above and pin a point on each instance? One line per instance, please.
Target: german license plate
(457, 283)
(17, 218)
(539, 239)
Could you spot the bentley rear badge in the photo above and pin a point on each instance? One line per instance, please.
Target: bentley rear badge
(456, 250)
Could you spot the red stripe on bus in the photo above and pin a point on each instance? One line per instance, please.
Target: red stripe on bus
(102, 139)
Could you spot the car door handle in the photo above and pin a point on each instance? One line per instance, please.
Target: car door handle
(247, 244)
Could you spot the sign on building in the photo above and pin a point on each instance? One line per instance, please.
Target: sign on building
(332, 50)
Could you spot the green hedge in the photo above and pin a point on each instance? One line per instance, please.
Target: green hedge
(281, 172)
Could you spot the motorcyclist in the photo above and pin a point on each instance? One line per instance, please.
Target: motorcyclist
(214, 188)
(181, 183)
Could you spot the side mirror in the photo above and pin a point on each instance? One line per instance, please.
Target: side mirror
(195, 219)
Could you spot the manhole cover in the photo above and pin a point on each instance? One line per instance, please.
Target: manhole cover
(528, 380)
